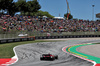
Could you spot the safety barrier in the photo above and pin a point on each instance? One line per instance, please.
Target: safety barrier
(16, 40)
(68, 36)
(45, 37)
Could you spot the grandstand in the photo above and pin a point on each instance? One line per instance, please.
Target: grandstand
(13, 26)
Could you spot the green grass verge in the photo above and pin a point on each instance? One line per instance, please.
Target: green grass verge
(6, 50)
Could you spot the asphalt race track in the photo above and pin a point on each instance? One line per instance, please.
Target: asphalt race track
(29, 54)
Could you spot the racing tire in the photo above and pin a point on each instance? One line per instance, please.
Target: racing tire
(56, 57)
(52, 59)
(41, 58)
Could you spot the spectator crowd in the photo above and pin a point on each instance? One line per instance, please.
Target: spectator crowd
(30, 23)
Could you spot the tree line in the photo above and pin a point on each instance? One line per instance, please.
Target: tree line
(21, 6)
(30, 8)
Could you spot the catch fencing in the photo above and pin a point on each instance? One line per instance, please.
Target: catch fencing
(8, 38)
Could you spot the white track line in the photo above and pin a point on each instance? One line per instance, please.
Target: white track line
(13, 59)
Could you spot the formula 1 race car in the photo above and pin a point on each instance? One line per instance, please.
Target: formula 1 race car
(48, 57)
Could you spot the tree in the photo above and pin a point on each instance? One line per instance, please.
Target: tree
(28, 7)
(4, 4)
(38, 13)
(70, 16)
(12, 9)
(21, 5)
(9, 6)
(33, 6)
(44, 13)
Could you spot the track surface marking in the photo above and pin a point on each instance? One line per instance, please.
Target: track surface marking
(29, 54)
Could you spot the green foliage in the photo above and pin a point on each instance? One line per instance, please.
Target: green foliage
(45, 13)
(4, 4)
(70, 16)
(21, 5)
(9, 6)
(28, 7)
(38, 13)
(33, 6)
(12, 7)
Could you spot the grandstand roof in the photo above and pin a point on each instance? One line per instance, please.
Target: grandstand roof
(98, 15)
(59, 18)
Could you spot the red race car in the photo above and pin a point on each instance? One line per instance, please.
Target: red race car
(48, 57)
